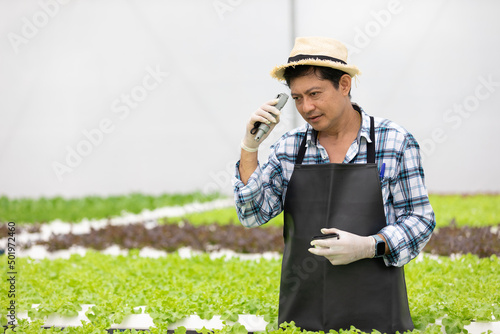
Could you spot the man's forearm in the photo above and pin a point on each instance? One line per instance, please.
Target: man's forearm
(248, 165)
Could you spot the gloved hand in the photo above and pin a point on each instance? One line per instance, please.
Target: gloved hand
(346, 249)
(264, 115)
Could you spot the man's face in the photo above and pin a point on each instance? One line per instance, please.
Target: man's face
(318, 102)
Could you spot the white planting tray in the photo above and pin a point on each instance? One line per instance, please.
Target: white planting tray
(252, 323)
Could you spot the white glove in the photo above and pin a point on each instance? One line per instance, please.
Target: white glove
(346, 249)
(265, 114)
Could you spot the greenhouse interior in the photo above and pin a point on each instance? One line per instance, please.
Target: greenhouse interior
(137, 195)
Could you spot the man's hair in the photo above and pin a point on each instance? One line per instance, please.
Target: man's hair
(323, 73)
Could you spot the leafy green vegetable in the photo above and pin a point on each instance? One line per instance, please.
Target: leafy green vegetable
(226, 216)
(481, 241)
(466, 210)
(171, 237)
(26, 210)
(457, 290)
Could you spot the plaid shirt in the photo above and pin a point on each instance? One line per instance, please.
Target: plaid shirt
(409, 215)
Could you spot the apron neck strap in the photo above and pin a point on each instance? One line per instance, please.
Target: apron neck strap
(370, 147)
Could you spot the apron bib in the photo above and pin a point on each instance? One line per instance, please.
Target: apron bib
(317, 295)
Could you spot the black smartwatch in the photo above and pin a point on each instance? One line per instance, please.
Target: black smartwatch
(379, 246)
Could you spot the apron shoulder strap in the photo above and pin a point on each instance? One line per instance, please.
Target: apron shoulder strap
(370, 147)
(302, 150)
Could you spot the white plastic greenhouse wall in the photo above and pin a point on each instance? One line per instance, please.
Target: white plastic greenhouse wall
(113, 97)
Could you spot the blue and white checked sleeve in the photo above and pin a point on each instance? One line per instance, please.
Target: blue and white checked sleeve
(410, 216)
(261, 199)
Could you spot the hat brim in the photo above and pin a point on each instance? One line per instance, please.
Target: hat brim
(278, 71)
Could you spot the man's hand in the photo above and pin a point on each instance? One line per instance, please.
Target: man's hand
(344, 250)
(268, 114)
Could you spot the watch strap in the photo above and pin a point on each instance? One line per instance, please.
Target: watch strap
(379, 246)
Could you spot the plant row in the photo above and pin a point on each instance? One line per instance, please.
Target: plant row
(458, 290)
(170, 237)
(28, 210)
(465, 210)
(481, 241)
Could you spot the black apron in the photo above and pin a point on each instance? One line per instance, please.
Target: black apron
(317, 295)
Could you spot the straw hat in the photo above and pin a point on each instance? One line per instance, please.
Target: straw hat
(317, 51)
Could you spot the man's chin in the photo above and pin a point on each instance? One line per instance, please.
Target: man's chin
(316, 126)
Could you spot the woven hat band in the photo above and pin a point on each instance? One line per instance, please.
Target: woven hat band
(319, 57)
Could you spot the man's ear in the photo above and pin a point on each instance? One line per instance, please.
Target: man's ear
(345, 84)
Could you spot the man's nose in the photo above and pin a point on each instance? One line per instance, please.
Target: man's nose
(308, 105)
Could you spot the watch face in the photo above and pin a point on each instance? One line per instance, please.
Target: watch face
(380, 248)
